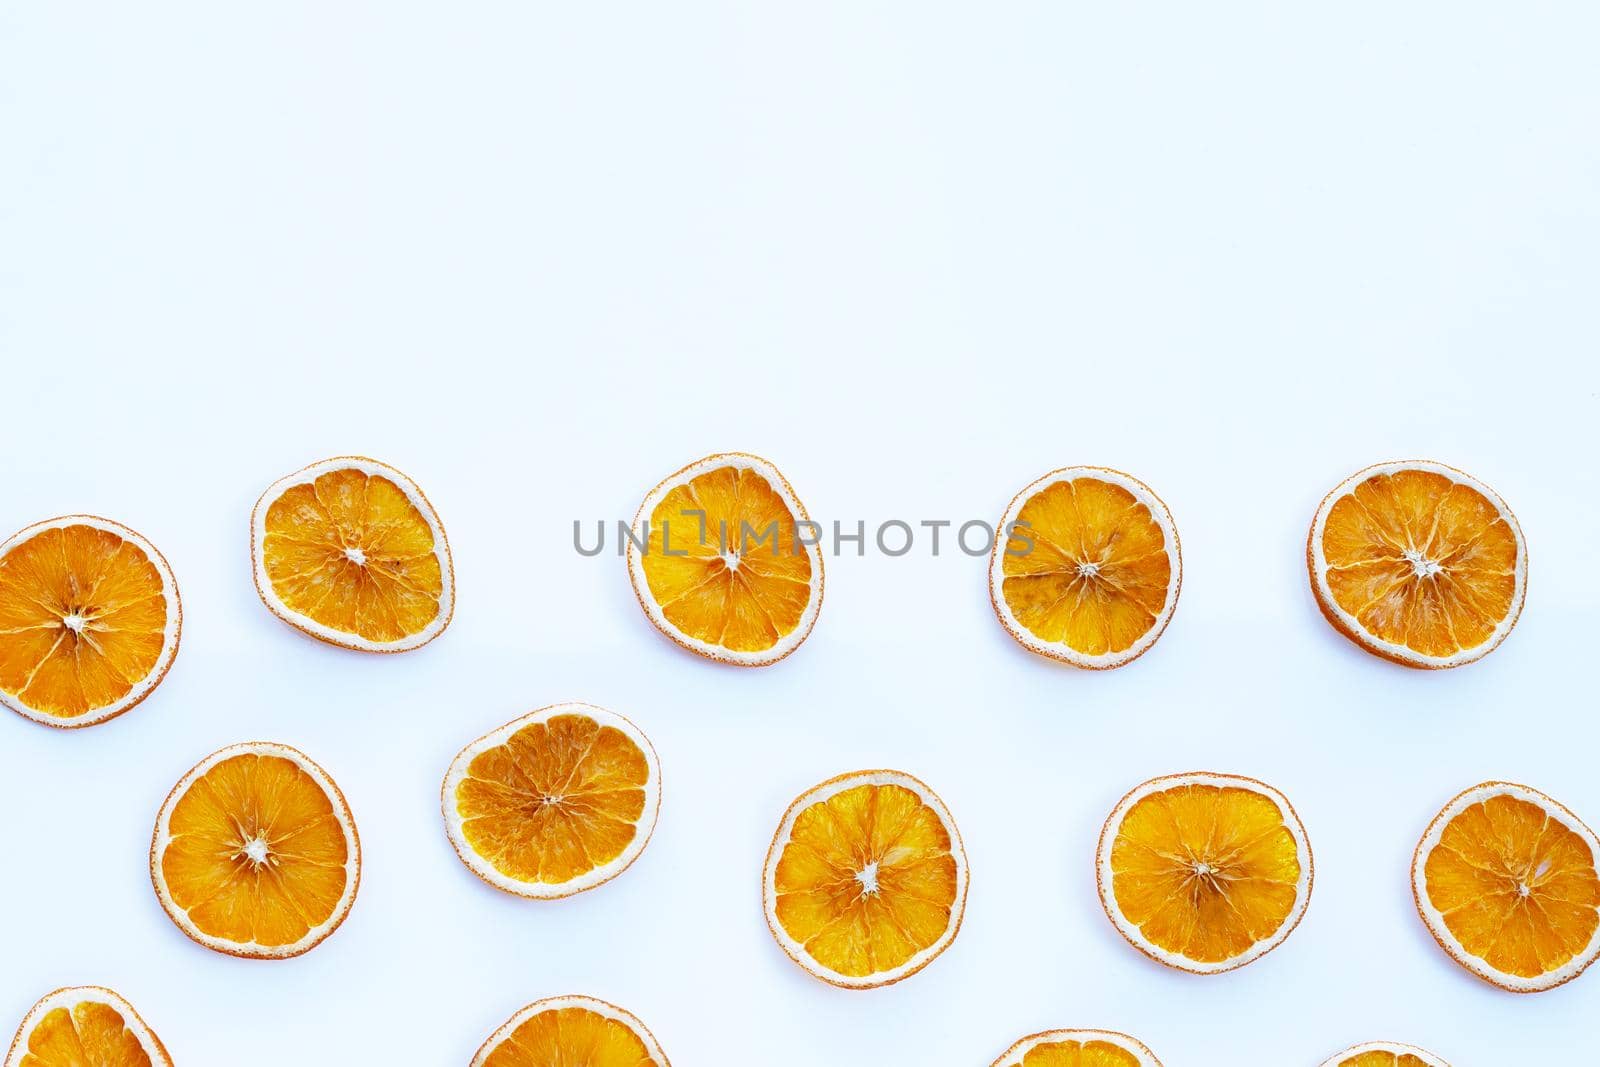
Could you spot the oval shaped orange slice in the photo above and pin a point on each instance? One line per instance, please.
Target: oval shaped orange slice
(1419, 563)
(255, 852)
(1086, 567)
(1204, 872)
(89, 620)
(88, 1026)
(866, 879)
(1505, 880)
(724, 561)
(571, 1031)
(349, 551)
(1077, 1048)
(558, 801)
(1384, 1054)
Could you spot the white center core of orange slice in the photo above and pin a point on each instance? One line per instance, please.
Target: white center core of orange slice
(1203, 869)
(1088, 570)
(1421, 566)
(868, 877)
(731, 559)
(255, 850)
(1522, 889)
(356, 556)
(74, 622)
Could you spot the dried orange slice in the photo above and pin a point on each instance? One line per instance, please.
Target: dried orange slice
(1204, 872)
(571, 1032)
(866, 879)
(85, 1026)
(1505, 879)
(89, 620)
(255, 853)
(1418, 563)
(1384, 1054)
(350, 551)
(725, 570)
(1077, 1048)
(1086, 567)
(556, 802)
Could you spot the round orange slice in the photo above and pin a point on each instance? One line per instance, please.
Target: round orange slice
(85, 1026)
(571, 1032)
(1384, 1054)
(721, 565)
(1078, 1048)
(1204, 872)
(349, 551)
(866, 879)
(559, 801)
(1086, 567)
(89, 620)
(1418, 563)
(255, 853)
(1505, 880)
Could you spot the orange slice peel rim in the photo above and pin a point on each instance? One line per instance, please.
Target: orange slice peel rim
(1351, 627)
(70, 998)
(1393, 1048)
(162, 838)
(1013, 1055)
(645, 825)
(321, 631)
(647, 601)
(171, 636)
(1434, 919)
(599, 1007)
(1060, 650)
(781, 837)
(1104, 876)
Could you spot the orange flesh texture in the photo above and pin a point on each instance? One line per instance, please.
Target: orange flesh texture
(1096, 578)
(1205, 871)
(91, 1034)
(1383, 1059)
(82, 619)
(571, 1037)
(867, 879)
(556, 800)
(749, 607)
(352, 552)
(1517, 888)
(257, 852)
(1076, 1054)
(1421, 561)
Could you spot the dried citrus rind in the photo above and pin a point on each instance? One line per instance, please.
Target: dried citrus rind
(1078, 1048)
(571, 1030)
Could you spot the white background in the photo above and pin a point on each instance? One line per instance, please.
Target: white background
(539, 256)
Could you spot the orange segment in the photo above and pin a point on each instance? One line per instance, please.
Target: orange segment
(1418, 563)
(571, 1032)
(1086, 568)
(89, 620)
(1078, 1048)
(558, 801)
(350, 551)
(85, 1026)
(866, 879)
(1204, 872)
(1506, 880)
(724, 568)
(255, 853)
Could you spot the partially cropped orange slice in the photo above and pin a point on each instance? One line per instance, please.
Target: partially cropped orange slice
(1086, 567)
(1418, 563)
(1384, 1054)
(1204, 872)
(255, 853)
(85, 1026)
(556, 802)
(1077, 1048)
(350, 551)
(571, 1032)
(1505, 880)
(866, 879)
(89, 620)
(729, 565)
